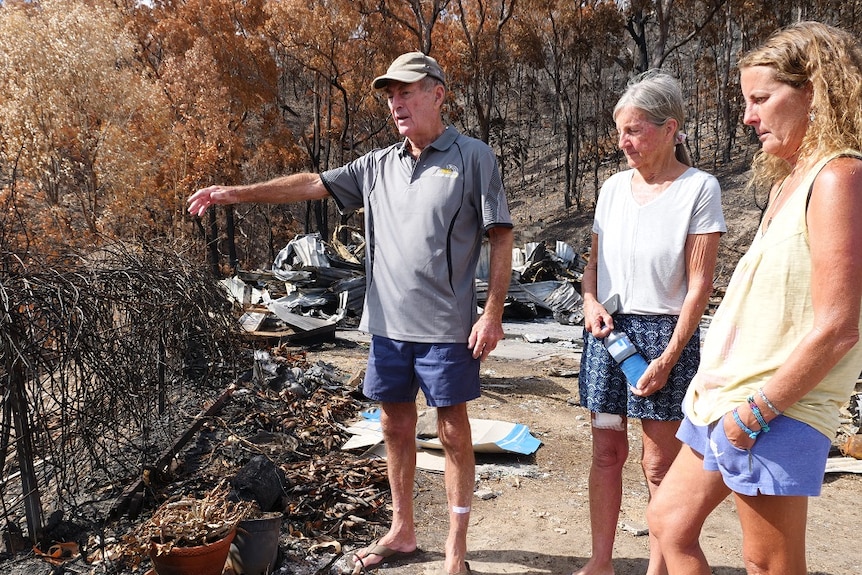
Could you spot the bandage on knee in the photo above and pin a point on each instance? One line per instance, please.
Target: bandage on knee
(610, 421)
(460, 510)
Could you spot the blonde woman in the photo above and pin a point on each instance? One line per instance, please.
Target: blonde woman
(782, 352)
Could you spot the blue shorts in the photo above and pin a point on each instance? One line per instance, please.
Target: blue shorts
(790, 459)
(447, 372)
(603, 385)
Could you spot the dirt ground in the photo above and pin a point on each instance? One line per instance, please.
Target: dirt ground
(530, 514)
(535, 519)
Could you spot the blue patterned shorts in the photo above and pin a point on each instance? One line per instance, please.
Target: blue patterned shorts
(603, 386)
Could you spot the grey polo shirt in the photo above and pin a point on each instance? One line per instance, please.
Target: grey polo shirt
(424, 223)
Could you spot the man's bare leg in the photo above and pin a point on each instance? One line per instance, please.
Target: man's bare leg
(398, 421)
(453, 427)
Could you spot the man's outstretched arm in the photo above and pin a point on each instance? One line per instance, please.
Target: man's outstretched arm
(281, 190)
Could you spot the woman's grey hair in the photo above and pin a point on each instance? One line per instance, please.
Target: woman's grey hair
(659, 96)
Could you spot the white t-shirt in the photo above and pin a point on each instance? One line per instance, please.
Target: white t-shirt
(642, 247)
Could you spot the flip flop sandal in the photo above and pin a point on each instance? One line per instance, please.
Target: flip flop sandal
(386, 554)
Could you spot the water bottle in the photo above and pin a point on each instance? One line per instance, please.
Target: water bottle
(626, 355)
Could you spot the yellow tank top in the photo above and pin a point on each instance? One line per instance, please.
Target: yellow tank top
(765, 313)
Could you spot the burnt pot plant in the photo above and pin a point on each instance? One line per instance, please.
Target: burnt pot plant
(189, 535)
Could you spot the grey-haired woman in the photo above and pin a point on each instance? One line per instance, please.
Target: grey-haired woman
(654, 244)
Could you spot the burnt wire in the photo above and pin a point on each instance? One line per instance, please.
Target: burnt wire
(117, 349)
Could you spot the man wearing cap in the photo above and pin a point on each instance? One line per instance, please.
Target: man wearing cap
(428, 200)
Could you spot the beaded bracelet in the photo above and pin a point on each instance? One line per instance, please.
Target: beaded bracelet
(757, 414)
(750, 432)
(768, 403)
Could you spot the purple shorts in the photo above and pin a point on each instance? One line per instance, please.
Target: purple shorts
(790, 459)
(447, 373)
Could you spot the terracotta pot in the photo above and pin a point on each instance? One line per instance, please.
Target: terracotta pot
(206, 559)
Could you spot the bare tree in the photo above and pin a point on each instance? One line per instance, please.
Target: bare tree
(417, 16)
(642, 16)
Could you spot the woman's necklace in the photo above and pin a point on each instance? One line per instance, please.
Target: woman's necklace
(774, 206)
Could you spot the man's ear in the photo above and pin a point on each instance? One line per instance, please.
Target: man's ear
(439, 94)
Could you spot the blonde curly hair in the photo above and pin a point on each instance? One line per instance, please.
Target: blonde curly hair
(829, 61)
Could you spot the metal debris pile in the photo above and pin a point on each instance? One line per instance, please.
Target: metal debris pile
(314, 285)
(546, 281)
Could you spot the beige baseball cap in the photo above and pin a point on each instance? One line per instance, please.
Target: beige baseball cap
(410, 67)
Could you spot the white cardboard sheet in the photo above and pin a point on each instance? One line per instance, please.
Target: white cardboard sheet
(489, 436)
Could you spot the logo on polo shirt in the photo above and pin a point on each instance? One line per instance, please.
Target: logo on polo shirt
(450, 171)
